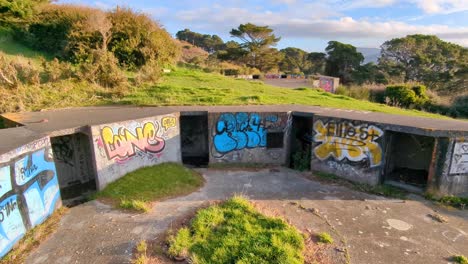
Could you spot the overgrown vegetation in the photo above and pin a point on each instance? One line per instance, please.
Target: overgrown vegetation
(381, 189)
(301, 160)
(138, 189)
(454, 201)
(234, 232)
(33, 238)
(141, 253)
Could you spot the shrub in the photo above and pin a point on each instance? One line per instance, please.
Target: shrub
(150, 72)
(460, 259)
(56, 70)
(406, 96)
(102, 68)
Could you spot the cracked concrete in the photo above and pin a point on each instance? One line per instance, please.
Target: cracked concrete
(373, 229)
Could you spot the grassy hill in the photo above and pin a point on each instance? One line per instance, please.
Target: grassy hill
(180, 87)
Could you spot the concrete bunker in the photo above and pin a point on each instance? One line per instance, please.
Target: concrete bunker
(194, 138)
(408, 160)
(74, 164)
(301, 141)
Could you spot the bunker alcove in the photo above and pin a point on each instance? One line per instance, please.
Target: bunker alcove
(194, 138)
(408, 160)
(301, 141)
(72, 156)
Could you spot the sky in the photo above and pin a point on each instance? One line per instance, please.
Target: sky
(309, 25)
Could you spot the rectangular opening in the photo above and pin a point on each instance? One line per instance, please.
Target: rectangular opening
(194, 138)
(274, 140)
(301, 142)
(73, 161)
(408, 160)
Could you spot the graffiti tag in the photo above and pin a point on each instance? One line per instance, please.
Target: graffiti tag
(459, 158)
(345, 140)
(168, 122)
(122, 143)
(239, 131)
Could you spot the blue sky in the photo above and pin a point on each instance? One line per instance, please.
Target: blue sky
(310, 24)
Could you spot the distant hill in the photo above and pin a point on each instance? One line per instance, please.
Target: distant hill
(370, 54)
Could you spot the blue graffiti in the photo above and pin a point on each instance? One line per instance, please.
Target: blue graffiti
(11, 224)
(41, 201)
(239, 131)
(31, 165)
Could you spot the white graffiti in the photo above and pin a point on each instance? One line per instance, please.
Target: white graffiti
(459, 163)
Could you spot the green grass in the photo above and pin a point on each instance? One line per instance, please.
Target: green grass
(234, 232)
(191, 87)
(450, 200)
(381, 189)
(325, 238)
(13, 48)
(460, 259)
(139, 188)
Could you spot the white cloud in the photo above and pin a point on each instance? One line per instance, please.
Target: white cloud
(442, 6)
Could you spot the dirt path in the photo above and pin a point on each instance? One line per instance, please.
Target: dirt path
(371, 229)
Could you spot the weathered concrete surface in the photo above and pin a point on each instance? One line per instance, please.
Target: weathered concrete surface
(376, 230)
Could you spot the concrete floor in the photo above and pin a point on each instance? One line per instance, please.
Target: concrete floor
(372, 228)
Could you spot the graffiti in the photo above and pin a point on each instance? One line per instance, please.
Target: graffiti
(11, 224)
(459, 163)
(62, 147)
(326, 84)
(168, 122)
(122, 143)
(345, 140)
(32, 179)
(239, 131)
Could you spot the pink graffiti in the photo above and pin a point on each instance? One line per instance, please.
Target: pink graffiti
(124, 144)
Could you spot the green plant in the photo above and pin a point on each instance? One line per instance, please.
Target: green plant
(301, 160)
(234, 232)
(460, 259)
(325, 238)
(135, 205)
(141, 253)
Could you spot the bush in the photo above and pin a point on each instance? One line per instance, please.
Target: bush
(56, 70)
(150, 72)
(102, 68)
(17, 71)
(406, 96)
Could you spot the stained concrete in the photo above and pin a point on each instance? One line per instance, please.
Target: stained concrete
(375, 229)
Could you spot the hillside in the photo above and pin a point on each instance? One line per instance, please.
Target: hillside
(180, 87)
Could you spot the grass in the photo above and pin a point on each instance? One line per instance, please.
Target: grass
(460, 259)
(141, 255)
(33, 238)
(324, 238)
(191, 87)
(234, 232)
(13, 48)
(138, 189)
(381, 189)
(454, 201)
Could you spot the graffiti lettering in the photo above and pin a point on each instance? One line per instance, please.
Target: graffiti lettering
(459, 163)
(168, 122)
(345, 140)
(239, 131)
(122, 143)
(62, 150)
(36, 172)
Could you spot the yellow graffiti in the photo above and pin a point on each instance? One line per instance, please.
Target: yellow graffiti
(168, 122)
(345, 140)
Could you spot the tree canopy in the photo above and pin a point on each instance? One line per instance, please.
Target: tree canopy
(343, 60)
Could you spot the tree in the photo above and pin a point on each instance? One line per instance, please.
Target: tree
(369, 73)
(342, 61)
(210, 43)
(427, 59)
(318, 61)
(256, 42)
(295, 61)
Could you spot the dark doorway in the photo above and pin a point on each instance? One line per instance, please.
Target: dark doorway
(194, 138)
(301, 141)
(72, 156)
(408, 160)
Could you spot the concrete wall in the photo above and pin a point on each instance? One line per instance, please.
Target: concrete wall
(122, 147)
(348, 148)
(453, 173)
(242, 137)
(29, 190)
